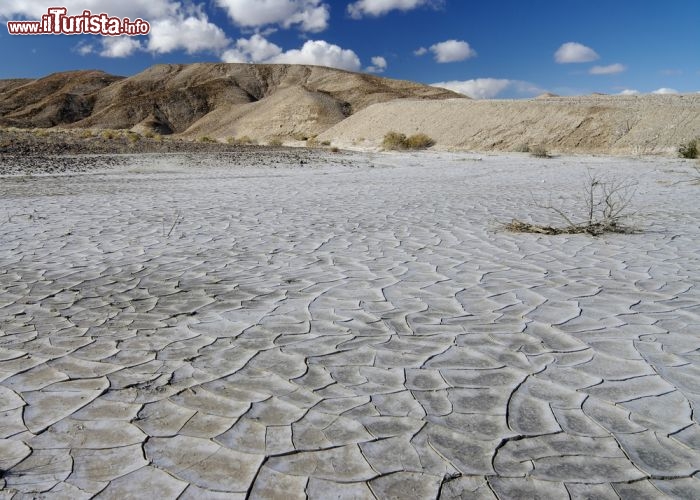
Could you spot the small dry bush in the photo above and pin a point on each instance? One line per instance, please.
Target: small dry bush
(133, 137)
(606, 206)
(109, 134)
(689, 150)
(420, 141)
(87, 134)
(206, 139)
(242, 141)
(539, 152)
(335, 149)
(275, 142)
(395, 141)
(522, 148)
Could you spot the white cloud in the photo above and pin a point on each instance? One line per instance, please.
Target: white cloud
(309, 15)
(573, 52)
(488, 88)
(380, 7)
(611, 69)
(665, 91)
(191, 34)
(421, 51)
(320, 53)
(378, 65)
(630, 92)
(120, 46)
(83, 48)
(452, 51)
(257, 48)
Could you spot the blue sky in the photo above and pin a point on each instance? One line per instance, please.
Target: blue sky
(486, 49)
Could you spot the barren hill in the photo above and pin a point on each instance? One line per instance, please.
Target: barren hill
(218, 100)
(591, 124)
(57, 99)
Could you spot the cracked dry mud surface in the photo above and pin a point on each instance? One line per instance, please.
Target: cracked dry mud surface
(349, 329)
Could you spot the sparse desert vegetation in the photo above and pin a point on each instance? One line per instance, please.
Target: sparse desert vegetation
(275, 142)
(689, 150)
(395, 141)
(133, 137)
(109, 134)
(605, 207)
(539, 151)
(240, 141)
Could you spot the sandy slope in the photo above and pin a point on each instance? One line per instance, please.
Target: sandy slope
(183, 329)
(600, 124)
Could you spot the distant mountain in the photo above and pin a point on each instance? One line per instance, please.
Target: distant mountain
(217, 100)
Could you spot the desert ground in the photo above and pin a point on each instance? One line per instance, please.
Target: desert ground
(295, 323)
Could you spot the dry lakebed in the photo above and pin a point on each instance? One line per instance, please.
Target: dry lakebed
(292, 324)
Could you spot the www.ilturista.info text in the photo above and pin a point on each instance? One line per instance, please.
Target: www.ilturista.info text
(57, 22)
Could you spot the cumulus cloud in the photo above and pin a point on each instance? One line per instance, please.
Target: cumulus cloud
(254, 49)
(488, 88)
(421, 51)
(665, 91)
(630, 92)
(308, 15)
(611, 69)
(452, 51)
(121, 46)
(191, 34)
(258, 49)
(83, 48)
(573, 52)
(378, 65)
(320, 53)
(376, 8)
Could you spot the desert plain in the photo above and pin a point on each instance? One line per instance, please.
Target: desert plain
(300, 323)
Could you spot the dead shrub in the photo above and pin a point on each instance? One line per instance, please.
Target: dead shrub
(606, 205)
(539, 152)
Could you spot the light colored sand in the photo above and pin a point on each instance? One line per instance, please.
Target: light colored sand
(360, 329)
(587, 124)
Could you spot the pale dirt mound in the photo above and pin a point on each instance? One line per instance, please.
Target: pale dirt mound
(217, 100)
(591, 124)
(291, 112)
